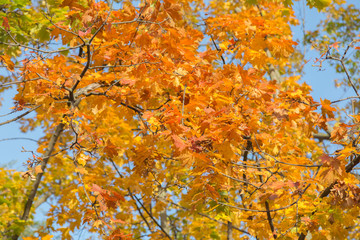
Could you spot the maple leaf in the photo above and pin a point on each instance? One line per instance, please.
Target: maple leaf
(81, 170)
(38, 169)
(166, 127)
(110, 149)
(179, 143)
(339, 132)
(83, 34)
(333, 169)
(117, 221)
(326, 109)
(173, 9)
(98, 223)
(5, 24)
(335, 45)
(96, 188)
(128, 81)
(7, 61)
(47, 237)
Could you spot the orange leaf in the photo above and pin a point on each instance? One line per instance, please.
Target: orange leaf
(178, 142)
(97, 223)
(110, 149)
(5, 24)
(335, 45)
(7, 61)
(48, 237)
(212, 190)
(326, 105)
(326, 109)
(117, 221)
(96, 189)
(38, 169)
(173, 9)
(81, 170)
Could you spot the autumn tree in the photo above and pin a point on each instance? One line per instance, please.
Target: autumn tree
(177, 120)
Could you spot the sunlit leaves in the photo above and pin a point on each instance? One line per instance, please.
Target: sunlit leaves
(172, 127)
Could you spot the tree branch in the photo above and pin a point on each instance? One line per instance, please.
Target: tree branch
(327, 190)
(20, 116)
(33, 191)
(270, 219)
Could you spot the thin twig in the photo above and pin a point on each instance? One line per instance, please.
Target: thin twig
(238, 180)
(101, 27)
(18, 138)
(183, 106)
(345, 70)
(20, 116)
(344, 99)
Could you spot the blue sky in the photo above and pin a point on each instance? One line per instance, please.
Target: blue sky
(322, 83)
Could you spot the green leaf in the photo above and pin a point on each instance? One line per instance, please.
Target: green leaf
(214, 235)
(43, 34)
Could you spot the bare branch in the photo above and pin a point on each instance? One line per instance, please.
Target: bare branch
(344, 99)
(328, 56)
(18, 138)
(321, 136)
(101, 27)
(20, 116)
(17, 44)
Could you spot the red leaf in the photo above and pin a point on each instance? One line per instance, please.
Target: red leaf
(96, 188)
(179, 143)
(82, 34)
(127, 81)
(118, 196)
(147, 115)
(110, 149)
(117, 221)
(5, 24)
(335, 45)
(273, 196)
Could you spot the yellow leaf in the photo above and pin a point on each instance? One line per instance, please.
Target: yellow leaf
(82, 159)
(224, 45)
(7, 61)
(38, 169)
(47, 237)
(81, 170)
(97, 223)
